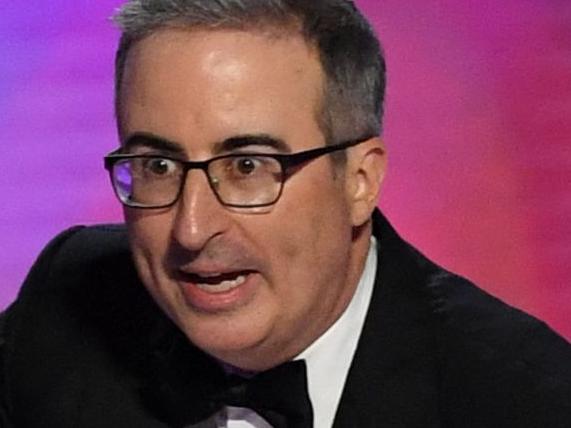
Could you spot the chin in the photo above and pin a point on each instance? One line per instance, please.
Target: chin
(234, 338)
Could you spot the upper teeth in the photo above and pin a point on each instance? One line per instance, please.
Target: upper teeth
(210, 275)
(223, 285)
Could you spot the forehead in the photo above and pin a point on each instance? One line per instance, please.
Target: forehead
(213, 84)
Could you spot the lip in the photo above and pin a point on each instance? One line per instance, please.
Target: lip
(194, 287)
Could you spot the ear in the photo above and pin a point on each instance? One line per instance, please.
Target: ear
(366, 168)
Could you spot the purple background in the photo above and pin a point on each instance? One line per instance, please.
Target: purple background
(478, 128)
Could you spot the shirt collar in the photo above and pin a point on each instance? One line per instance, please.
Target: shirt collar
(329, 358)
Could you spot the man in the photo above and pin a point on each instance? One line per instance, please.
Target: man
(254, 257)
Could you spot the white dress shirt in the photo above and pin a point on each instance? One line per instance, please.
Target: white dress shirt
(328, 360)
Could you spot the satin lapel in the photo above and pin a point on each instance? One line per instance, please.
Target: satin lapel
(393, 378)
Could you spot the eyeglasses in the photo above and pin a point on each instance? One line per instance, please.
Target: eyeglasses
(239, 180)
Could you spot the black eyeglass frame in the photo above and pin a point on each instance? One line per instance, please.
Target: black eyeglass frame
(287, 162)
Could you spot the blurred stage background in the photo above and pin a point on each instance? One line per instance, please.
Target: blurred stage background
(478, 127)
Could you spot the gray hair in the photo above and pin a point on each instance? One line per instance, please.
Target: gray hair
(349, 52)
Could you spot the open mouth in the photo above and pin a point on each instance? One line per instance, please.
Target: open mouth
(216, 282)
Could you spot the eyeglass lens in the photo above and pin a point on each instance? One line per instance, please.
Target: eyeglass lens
(236, 180)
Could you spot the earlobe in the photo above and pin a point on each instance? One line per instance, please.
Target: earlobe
(366, 168)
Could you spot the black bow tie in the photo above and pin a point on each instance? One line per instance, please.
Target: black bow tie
(188, 387)
(279, 395)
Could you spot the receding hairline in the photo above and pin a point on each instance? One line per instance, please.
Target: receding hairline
(291, 30)
(349, 51)
(261, 21)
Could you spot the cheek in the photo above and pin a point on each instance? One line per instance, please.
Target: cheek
(149, 235)
(306, 231)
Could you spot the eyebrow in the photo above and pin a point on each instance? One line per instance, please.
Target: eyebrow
(145, 139)
(253, 140)
(149, 140)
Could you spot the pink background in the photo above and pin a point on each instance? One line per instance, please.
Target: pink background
(478, 127)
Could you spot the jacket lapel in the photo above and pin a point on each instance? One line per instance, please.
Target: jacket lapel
(393, 378)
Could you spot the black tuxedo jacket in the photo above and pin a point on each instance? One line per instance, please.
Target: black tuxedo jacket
(84, 346)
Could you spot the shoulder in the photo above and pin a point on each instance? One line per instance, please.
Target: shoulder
(463, 313)
(85, 271)
(4, 421)
(494, 361)
(497, 362)
(78, 320)
(78, 271)
(77, 250)
(72, 265)
(487, 332)
(487, 329)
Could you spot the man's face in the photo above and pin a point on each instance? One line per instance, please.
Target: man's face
(252, 288)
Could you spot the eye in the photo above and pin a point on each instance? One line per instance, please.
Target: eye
(246, 166)
(159, 166)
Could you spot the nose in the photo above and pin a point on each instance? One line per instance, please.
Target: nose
(199, 216)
